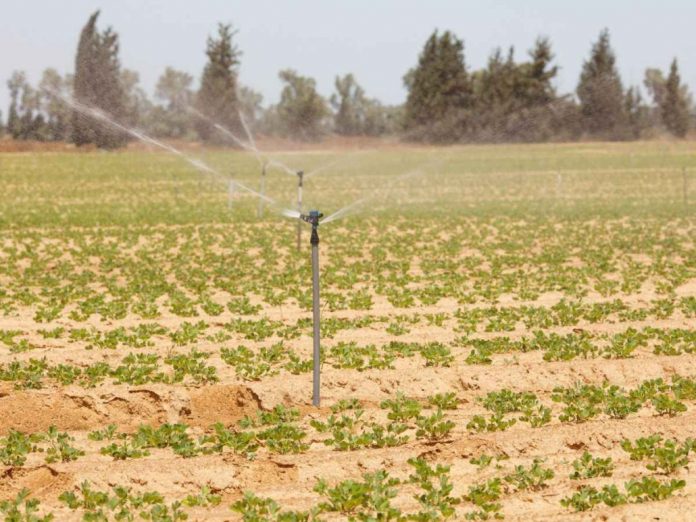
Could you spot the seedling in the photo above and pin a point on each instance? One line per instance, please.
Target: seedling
(532, 478)
(22, 508)
(369, 500)
(485, 496)
(587, 467)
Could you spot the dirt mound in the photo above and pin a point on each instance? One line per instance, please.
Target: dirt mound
(43, 480)
(34, 411)
(220, 403)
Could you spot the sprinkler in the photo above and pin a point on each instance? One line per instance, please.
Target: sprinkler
(313, 219)
(262, 189)
(300, 182)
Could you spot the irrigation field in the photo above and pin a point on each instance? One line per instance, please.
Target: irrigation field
(507, 332)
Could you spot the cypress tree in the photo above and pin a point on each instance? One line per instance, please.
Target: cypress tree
(439, 85)
(600, 91)
(217, 98)
(97, 84)
(538, 88)
(13, 122)
(675, 105)
(636, 113)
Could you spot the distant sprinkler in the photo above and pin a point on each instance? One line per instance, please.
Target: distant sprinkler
(262, 189)
(313, 219)
(300, 183)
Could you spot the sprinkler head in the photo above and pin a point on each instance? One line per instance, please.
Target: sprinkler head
(312, 218)
(300, 177)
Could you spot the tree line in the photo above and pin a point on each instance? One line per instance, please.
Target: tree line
(507, 100)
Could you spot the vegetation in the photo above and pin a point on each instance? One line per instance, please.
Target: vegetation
(217, 97)
(504, 307)
(506, 101)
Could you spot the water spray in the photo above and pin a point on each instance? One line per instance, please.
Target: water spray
(103, 117)
(230, 195)
(313, 218)
(300, 184)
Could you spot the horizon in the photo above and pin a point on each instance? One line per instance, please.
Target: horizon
(323, 45)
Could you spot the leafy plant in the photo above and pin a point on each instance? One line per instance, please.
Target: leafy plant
(369, 499)
(401, 408)
(485, 497)
(533, 478)
(22, 508)
(436, 500)
(587, 467)
(59, 448)
(444, 401)
(15, 447)
(434, 427)
(665, 456)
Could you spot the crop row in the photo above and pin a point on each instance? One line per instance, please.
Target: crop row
(348, 427)
(78, 274)
(371, 498)
(143, 368)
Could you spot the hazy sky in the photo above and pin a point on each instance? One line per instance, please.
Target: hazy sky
(377, 40)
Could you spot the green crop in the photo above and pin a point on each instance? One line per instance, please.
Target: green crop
(636, 491)
(401, 408)
(485, 497)
(22, 508)
(665, 456)
(587, 467)
(444, 401)
(436, 501)
(533, 478)
(369, 499)
(257, 509)
(122, 503)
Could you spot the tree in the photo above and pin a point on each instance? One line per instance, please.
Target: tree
(439, 85)
(675, 105)
(173, 120)
(349, 104)
(15, 84)
(654, 82)
(137, 105)
(600, 91)
(498, 86)
(538, 74)
(637, 114)
(217, 98)
(57, 114)
(250, 104)
(97, 84)
(25, 121)
(301, 109)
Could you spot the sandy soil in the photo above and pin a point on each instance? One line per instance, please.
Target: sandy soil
(289, 479)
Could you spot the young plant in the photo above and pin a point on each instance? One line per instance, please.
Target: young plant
(485, 497)
(587, 467)
(436, 501)
(533, 478)
(369, 499)
(22, 508)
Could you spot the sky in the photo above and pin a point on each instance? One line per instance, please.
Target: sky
(376, 40)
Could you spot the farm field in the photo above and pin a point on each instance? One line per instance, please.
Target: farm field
(507, 332)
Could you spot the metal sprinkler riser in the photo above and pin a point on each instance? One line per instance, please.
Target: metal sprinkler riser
(313, 219)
